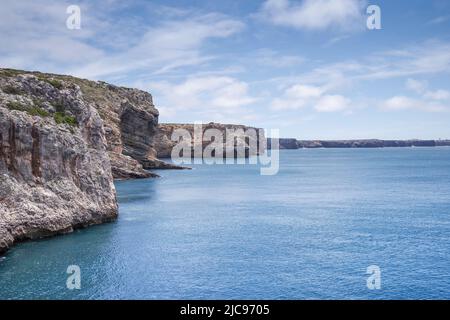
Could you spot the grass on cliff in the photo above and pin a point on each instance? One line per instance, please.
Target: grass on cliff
(59, 117)
(31, 110)
(55, 83)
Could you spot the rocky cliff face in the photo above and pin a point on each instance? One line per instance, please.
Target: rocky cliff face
(130, 119)
(55, 172)
(131, 124)
(163, 143)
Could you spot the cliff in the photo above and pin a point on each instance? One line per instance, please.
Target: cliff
(55, 173)
(130, 119)
(365, 143)
(62, 142)
(164, 145)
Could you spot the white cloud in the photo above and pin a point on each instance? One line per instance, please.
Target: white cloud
(213, 96)
(301, 96)
(232, 94)
(438, 95)
(416, 85)
(168, 46)
(296, 97)
(421, 88)
(301, 91)
(314, 14)
(109, 43)
(401, 103)
(398, 103)
(430, 57)
(332, 103)
(425, 100)
(427, 59)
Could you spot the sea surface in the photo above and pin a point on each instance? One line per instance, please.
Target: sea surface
(226, 232)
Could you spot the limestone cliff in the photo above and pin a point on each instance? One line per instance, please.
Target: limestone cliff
(62, 141)
(163, 143)
(55, 173)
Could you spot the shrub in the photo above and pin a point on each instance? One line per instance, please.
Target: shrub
(61, 118)
(36, 111)
(56, 84)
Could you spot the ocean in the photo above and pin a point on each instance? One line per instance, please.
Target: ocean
(227, 232)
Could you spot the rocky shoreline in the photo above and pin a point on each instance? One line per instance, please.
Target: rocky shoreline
(63, 141)
(291, 143)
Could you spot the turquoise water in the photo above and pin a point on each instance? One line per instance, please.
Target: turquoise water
(220, 232)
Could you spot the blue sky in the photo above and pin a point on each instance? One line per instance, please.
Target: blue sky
(310, 68)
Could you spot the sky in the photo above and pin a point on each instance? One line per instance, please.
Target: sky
(310, 68)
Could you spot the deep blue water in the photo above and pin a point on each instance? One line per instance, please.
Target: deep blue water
(220, 232)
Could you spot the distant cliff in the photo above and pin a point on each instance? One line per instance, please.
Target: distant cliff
(365, 143)
(164, 144)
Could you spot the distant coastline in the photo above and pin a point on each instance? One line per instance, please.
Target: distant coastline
(292, 143)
